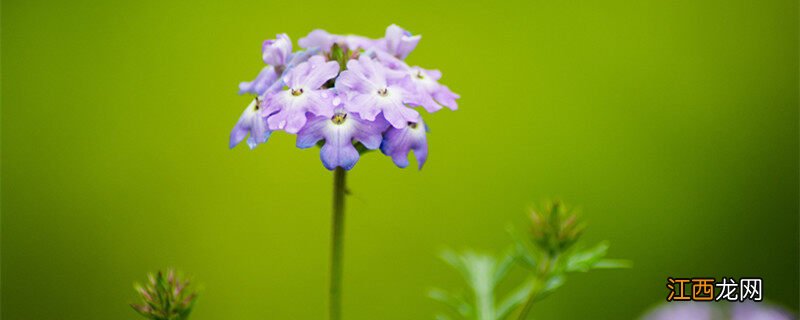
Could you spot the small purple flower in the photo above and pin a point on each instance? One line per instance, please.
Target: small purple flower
(399, 42)
(756, 311)
(397, 143)
(424, 83)
(370, 93)
(681, 311)
(277, 52)
(265, 79)
(340, 131)
(304, 95)
(321, 39)
(251, 121)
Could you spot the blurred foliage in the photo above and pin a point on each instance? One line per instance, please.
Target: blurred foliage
(548, 253)
(165, 297)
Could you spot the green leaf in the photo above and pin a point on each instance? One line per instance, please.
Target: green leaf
(583, 261)
(514, 299)
(526, 253)
(442, 317)
(504, 265)
(456, 302)
(553, 283)
(612, 264)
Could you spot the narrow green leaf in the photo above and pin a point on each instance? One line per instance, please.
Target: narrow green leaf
(582, 261)
(612, 264)
(514, 299)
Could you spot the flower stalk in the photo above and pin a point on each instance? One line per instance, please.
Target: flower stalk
(337, 242)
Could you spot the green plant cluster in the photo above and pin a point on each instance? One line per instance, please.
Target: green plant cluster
(165, 297)
(547, 253)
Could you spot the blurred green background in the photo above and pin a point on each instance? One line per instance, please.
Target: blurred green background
(673, 124)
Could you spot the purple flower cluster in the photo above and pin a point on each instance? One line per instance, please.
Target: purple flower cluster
(346, 93)
(705, 311)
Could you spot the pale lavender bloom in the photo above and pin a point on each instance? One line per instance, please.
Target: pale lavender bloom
(250, 122)
(684, 311)
(318, 38)
(369, 92)
(265, 79)
(340, 131)
(399, 42)
(296, 59)
(757, 311)
(321, 39)
(304, 95)
(269, 79)
(397, 143)
(277, 52)
(424, 84)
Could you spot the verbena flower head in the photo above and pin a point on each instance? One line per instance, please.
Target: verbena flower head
(347, 94)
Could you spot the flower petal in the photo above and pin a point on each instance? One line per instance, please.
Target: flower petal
(445, 97)
(398, 142)
(276, 51)
(339, 156)
(320, 72)
(312, 132)
(369, 133)
(250, 122)
(266, 77)
(317, 39)
(398, 114)
(400, 42)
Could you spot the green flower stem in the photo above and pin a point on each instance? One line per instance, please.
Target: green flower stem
(532, 296)
(539, 284)
(337, 243)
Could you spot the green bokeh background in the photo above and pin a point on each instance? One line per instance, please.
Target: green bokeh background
(673, 124)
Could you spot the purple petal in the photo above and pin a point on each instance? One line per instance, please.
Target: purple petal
(369, 133)
(433, 74)
(365, 104)
(276, 51)
(317, 39)
(300, 57)
(369, 73)
(290, 116)
(312, 132)
(321, 102)
(338, 150)
(397, 113)
(357, 42)
(266, 77)
(250, 122)
(344, 156)
(425, 100)
(391, 61)
(445, 97)
(237, 135)
(681, 311)
(398, 142)
(400, 42)
(754, 311)
(294, 78)
(351, 81)
(320, 72)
